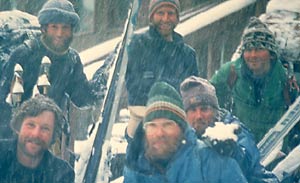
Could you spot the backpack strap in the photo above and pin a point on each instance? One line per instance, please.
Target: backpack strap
(232, 77)
(290, 85)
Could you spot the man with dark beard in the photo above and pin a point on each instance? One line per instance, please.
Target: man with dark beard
(165, 148)
(26, 158)
(65, 76)
(204, 113)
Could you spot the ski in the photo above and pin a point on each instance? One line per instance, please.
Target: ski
(288, 165)
(276, 134)
(112, 99)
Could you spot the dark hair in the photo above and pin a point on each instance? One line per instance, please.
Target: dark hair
(35, 106)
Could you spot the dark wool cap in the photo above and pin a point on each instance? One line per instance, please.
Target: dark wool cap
(195, 90)
(155, 4)
(165, 102)
(257, 35)
(59, 11)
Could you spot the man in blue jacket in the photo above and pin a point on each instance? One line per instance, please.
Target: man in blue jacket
(165, 148)
(159, 54)
(203, 111)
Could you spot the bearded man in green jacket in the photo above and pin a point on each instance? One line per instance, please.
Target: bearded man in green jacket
(255, 87)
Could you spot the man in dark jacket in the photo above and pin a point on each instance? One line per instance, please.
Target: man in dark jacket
(64, 77)
(27, 158)
(203, 114)
(159, 54)
(165, 148)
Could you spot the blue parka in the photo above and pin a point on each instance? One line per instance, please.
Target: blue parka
(194, 162)
(151, 58)
(246, 152)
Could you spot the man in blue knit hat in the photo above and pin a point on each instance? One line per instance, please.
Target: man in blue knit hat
(165, 148)
(159, 54)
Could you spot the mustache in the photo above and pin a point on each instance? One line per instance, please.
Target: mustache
(34, 140)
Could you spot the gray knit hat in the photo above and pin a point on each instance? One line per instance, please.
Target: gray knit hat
(165, 102)
(155, 4)
(195, 90)
(257, 35)
(59, 11)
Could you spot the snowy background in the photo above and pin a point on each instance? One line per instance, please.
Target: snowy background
(282, 17)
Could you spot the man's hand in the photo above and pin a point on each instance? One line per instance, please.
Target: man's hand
(222, 137)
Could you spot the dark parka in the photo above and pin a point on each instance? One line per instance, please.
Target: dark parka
(51, 169)
(194, 162)
(258, 103)
(66, 76)
(151, 58)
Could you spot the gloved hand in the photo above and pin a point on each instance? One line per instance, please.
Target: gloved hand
(222, 137)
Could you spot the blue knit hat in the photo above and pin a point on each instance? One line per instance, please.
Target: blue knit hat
(165, 102)
(59, 11)
(155, 4)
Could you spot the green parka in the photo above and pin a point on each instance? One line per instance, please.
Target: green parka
(259, 103)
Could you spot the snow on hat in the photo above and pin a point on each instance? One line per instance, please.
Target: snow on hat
(257, 35)
(165, 102)
(59, 11)
(195, 90)
(155, 4)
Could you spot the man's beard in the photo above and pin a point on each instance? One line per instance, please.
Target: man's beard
(48, 40)
(23, 148)
(171, 146)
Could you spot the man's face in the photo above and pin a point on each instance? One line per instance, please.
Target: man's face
(163, 137)
(164, 20)
(200, 117)
(58, 36)
(258, 60)
(35, 135)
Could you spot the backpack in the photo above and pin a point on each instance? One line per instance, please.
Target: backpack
(15, 28)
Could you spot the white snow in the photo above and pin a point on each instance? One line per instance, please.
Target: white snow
(282, 18)
(203, 19)
(221, 131)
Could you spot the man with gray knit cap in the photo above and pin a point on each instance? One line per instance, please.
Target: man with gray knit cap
(255, 87)
(63, 70)
(165, 148)
(204, 114)
(159, 54)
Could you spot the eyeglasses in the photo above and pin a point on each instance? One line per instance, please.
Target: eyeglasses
(152, 126)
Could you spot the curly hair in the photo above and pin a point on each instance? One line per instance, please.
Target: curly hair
(34, 107)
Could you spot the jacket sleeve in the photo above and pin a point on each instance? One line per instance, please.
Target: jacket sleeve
(223, 91)
(79, 89)
(248, 157)
(134, 79)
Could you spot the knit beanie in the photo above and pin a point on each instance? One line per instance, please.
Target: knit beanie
(59, 11)
(165, 102)
(195, 90)
(257, 35)
(155, 4)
